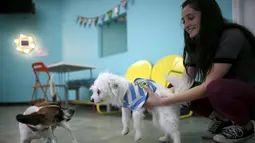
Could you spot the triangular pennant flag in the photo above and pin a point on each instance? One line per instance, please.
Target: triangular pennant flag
(96, 20)
(85, 22)
(81, 20)
(117, 10)
(109, 13)
(102, 17)
(124, 3)
(78, 19)
(122, 18)
(89, 21)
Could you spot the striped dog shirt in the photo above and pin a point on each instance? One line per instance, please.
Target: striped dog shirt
(136, 95)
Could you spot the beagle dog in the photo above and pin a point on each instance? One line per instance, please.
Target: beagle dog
(41, 119)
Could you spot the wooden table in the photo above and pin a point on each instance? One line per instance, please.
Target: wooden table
(63, 69)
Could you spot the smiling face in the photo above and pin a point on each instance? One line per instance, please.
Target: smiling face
(191, 20)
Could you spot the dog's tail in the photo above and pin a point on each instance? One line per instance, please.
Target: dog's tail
(53, 90)
(179, 83)
(31, 119)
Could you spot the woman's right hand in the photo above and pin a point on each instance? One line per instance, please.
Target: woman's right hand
(153, 99)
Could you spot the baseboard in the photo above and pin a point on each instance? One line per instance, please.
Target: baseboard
(28, 103)
(14, 103)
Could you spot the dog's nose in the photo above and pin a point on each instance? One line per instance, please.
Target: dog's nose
(92, 100)
(71, 111)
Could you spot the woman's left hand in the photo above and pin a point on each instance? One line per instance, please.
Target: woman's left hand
(153, 99)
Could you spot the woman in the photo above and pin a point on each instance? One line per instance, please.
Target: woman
(222, 54)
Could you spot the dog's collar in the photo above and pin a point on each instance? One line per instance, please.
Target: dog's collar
(57, 106)
(37, 130)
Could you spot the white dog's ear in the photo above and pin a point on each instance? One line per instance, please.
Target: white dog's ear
(91, 87)
(114, 86)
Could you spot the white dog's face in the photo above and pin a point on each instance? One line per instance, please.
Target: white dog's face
(108, 87)
(99, 95)
(100, 89)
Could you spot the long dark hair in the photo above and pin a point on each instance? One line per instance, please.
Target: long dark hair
(206, 43)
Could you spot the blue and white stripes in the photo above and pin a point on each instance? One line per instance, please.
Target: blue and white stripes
(136, 96)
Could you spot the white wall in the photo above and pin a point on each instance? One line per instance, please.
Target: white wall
(244, 13)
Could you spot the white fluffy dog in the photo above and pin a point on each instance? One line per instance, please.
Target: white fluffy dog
(119, 91)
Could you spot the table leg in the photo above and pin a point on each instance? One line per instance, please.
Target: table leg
(108, 108)
(66, 88)
(90, 73)
(62, 80)
(66, 95)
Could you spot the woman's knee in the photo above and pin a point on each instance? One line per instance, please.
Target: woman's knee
(228, 89)
(216, 91)
(214, 88)
(224, 91)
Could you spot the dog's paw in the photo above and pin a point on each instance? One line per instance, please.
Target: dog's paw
(163, 139)
(137, 138)
(74, 141)
(125, 131)
(54, 140)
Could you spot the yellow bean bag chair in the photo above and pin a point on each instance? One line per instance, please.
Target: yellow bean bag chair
(169, 65)
(141, 69)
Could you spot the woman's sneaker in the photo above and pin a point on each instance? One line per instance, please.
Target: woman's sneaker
(216, 127)
(234, 134)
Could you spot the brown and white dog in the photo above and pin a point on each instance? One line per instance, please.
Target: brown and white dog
(41, 119)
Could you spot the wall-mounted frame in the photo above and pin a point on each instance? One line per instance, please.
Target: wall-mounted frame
(24, 44)
(113, 36)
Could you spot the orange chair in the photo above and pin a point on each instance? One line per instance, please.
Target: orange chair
(37, 68)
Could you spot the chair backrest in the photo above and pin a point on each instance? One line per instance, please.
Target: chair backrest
(141, 68)
(40, 67)
(169, 65)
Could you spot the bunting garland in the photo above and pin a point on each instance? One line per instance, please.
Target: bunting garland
(109, 13)
(97, 20)
(81, 20)
(102, 17)
(85, 22)
(90, 21)
(117, 10)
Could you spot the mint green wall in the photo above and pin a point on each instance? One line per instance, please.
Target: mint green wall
(113, 39)
(153, 31)
(16, 76)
